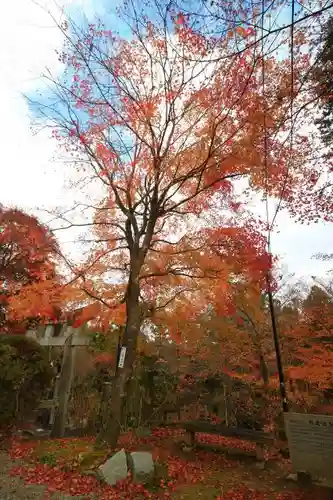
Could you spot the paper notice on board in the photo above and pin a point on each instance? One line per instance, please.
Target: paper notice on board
(122, 357)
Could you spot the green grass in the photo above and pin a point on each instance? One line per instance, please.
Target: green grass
(57, 450)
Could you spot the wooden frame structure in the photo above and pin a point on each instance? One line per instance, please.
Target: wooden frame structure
(68, 339)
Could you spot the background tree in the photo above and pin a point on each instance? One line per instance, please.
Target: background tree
(25, 373)
(323, 78)
(312, 202)
(28, 253)
(312, 338)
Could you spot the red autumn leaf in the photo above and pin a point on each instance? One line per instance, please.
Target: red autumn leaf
(180, 19)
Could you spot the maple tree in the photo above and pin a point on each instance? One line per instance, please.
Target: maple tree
(27, 256)
(168, 135)
(233, 346)
(312, 340)
(240, 345)
(304, 319)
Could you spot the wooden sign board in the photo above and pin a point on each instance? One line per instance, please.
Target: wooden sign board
(310, 440)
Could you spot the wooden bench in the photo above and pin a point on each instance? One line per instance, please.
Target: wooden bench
(260, 438)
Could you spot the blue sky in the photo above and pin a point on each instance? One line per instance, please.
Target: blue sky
(30, 177)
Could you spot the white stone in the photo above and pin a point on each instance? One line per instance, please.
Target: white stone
(114, 469)
(142, 466)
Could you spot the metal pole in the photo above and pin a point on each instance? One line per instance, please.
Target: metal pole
(277, 347)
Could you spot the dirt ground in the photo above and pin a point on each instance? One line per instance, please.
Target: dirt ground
(13, 488)
(220, 475)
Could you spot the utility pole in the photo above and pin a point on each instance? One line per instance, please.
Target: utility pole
(277, 346)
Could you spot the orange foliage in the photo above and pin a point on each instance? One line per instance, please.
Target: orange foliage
(190, 135)
(189, 139)
(28, 253)
(312, 356)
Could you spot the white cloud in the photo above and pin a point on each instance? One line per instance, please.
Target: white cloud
(28, 40)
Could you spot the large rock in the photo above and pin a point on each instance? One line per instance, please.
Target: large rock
(142, 466)
(114, 469)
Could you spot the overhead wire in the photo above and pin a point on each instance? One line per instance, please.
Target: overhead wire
(291, 109)
(267, 34)
(293, 114)
(269, 225)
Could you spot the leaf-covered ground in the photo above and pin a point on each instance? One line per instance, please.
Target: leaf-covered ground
(62, 469)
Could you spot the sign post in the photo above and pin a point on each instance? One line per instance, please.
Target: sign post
(310, 440)
(122, 356)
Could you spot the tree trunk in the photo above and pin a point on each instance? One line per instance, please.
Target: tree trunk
(112, 422)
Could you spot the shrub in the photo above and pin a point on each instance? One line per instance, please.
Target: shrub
(49, 459)
(25, 373)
